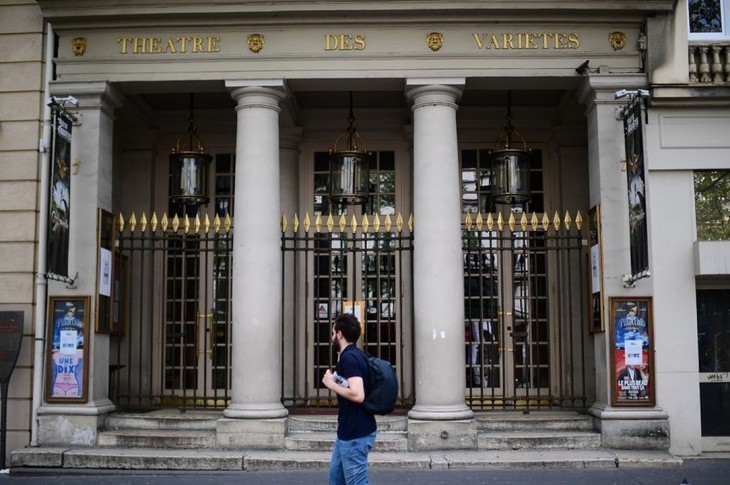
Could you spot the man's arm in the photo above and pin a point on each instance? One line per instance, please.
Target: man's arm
(355, 391)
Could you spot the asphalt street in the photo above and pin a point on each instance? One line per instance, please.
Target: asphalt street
(694, 472)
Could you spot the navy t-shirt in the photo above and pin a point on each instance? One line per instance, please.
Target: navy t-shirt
(353, 420)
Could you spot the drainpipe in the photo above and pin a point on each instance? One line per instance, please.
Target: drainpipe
(41, 284)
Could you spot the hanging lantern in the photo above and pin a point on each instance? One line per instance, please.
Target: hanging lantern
(350, 167)
(510, 167)
(189, 165)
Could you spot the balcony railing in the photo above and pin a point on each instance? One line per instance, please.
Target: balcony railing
(709, 62)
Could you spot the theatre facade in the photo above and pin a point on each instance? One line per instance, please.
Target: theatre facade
(504, 194)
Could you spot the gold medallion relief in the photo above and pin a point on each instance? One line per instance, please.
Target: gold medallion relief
(435, 40)
(617, 40)
(78, 46)
(255, 42)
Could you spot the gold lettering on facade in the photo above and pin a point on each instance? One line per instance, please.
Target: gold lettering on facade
(78, 46)
(526, 40)
(168, 45)
(435, 40)
(344, 42)
(617, 40)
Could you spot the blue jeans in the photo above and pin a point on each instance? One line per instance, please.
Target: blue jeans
(349, 465)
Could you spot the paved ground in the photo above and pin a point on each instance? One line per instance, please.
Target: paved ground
(694, 471)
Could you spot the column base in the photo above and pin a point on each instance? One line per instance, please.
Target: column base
(254, 434)
(440, 413)
(631, 428)
(441, 435)
(67, 424)
(256, 411)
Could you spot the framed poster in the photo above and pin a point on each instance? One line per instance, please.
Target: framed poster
(595, 271)
(632, 352)
(104, 271)
(119, 299)
(67, 355)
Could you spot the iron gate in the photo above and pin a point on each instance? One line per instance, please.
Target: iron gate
(171, 345)
(525, 297)
(344, 265)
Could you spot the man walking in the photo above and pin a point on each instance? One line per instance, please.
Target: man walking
(355, 425)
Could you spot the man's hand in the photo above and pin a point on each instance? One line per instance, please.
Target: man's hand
(328, 380)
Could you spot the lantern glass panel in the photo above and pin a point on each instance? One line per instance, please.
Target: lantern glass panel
(349, 177)
(189, 177)
(510, 176)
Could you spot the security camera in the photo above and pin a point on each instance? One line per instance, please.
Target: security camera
(644, 93)
(583, 68)
(620, 94)
(72, 100)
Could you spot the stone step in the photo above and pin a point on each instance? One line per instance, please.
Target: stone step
(542, 421)
(164, 419)
(538, 440)
(157, 438)
(309, 441)
(319, 423)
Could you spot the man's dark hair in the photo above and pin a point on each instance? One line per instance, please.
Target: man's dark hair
(349, 326)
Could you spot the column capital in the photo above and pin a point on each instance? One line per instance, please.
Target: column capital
(601, 89)
(91, 95)
(265, 93)
(434, 91)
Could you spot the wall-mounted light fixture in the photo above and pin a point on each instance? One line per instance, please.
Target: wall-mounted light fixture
(349, 166)
(189, 166)
(510, 166)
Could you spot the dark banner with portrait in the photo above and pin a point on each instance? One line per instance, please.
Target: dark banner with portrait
(639, 248)
(60, 200)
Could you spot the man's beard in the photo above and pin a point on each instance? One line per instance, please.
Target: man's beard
(336, 345)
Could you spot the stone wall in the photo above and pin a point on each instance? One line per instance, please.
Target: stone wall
(21, 95)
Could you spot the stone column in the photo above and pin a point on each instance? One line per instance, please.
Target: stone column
(256, 304)
(91, 188)
(438, 290)
(624, 427)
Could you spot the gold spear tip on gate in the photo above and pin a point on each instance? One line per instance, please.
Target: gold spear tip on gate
(467, 222)
(567, 220)
(164, 222)
(410, 223)
(490, 222)
(206, 224)
(175, 223)
(388, 223)
(545, 221)
(227, 223)
(196, 224)
(500, 222)
(480, 221)
(342, 223)
(121, 222)
(365, 223)
(318, 223)
(556, 221)
(353, 224)
(512, 222)
(523, 222)
(153, 222)
(308, 222)
(295, 223)
(143, 222)
(283, 222)
(330, 223)
(399, 223)
(132, 222)
(578, 221)
(533, 221)
(216, 223)
(376, 222)
(186, 224)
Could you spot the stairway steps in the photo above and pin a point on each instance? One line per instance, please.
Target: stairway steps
(198, 420)
(158, 438)
(301, 424)
(538, 421)
(538, 440)
(323, 441)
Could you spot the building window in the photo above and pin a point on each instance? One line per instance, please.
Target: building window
(712, 205)
(708, 19)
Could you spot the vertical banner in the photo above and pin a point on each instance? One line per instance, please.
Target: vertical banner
(60, 201)
(632, 352)
(634, 141)
(595, 268)
(67, 360)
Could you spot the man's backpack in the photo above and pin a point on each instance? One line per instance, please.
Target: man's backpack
(382, 392)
